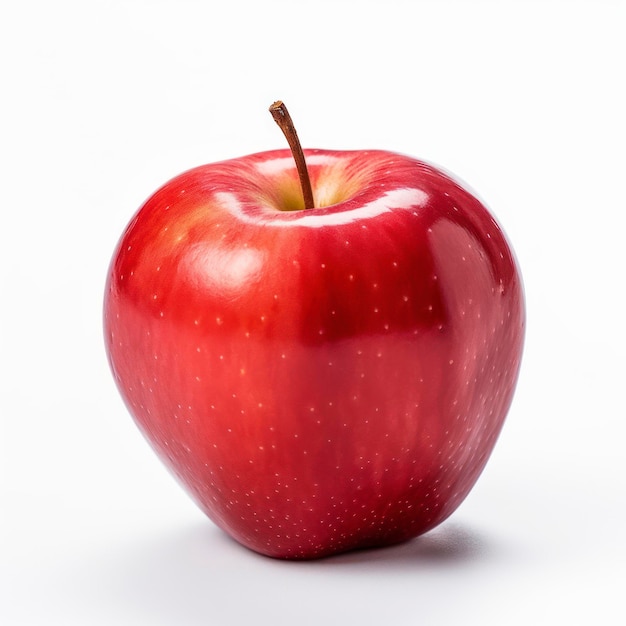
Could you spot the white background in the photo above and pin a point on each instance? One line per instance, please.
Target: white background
(102, 102)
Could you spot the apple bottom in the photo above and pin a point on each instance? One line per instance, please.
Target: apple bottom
(329, 459)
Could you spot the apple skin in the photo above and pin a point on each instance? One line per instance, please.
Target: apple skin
(318, 380)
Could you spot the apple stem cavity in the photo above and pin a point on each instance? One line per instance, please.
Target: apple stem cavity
(283, 119)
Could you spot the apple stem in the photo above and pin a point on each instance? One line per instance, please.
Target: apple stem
(283, 119)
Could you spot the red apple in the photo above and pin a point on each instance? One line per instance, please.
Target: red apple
(325, 379)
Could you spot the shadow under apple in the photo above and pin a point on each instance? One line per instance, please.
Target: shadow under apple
(198, 575)
(451, 544)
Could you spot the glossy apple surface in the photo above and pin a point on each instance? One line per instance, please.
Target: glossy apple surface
(318, 380)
